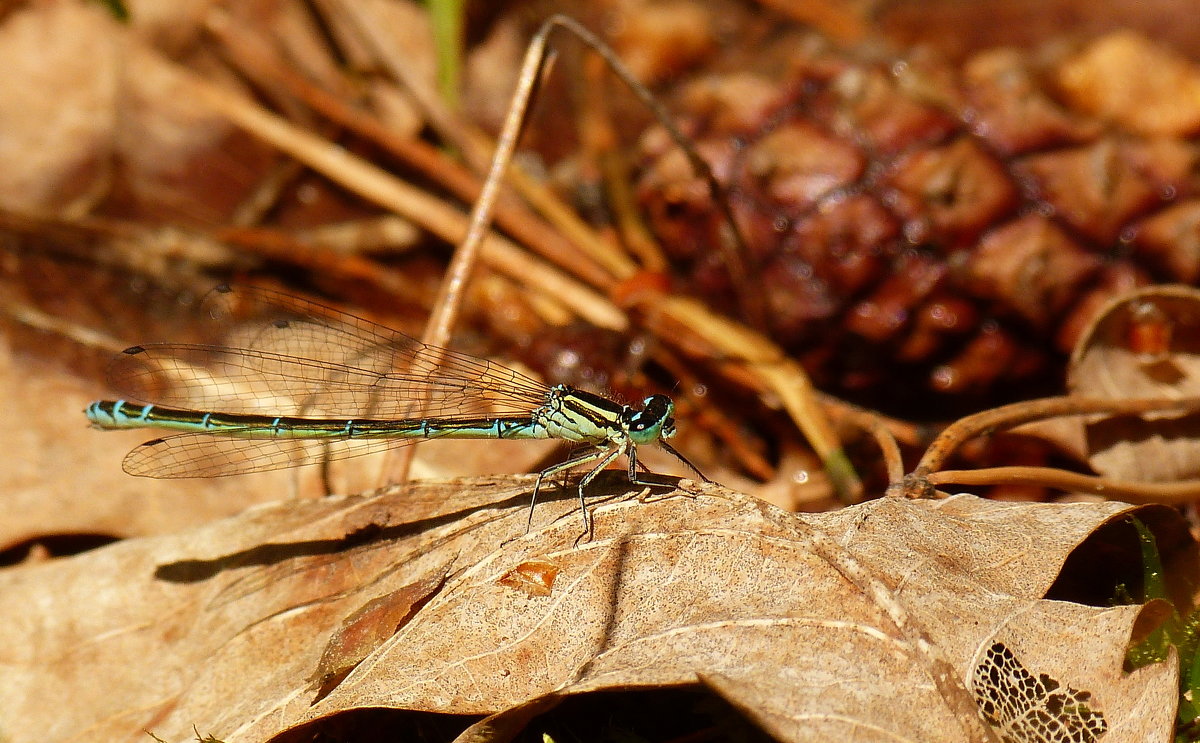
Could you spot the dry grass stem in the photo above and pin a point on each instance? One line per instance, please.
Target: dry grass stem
(257, 59)
(378, 186)
(774, 371)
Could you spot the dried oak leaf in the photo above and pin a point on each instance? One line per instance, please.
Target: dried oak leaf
(880, 621)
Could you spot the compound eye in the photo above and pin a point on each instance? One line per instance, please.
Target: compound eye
(642, 420)
(655, 414)
(657, 406)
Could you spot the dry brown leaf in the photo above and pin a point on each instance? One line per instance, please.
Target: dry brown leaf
(868, 622)
(369, 627)
(1145, 344)
(116, 129)
(56, 148)
(61, 478)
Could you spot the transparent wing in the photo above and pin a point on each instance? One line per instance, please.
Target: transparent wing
(283, 355)
(216, 455)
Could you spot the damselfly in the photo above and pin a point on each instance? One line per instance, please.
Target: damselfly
(314, 384)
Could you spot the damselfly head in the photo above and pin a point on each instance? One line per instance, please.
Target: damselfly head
(654, 421)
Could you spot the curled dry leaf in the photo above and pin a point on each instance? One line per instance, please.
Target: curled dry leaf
(1145, 344)
(818, 626)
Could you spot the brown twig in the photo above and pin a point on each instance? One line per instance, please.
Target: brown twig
(919, 483)
(889, 448)
(475, 147)
(1051, 477)
(1008, 416)
(453, 288)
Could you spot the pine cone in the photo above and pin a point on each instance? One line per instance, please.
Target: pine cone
(929, 238)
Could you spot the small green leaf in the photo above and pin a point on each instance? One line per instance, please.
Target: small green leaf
(1153, 585)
